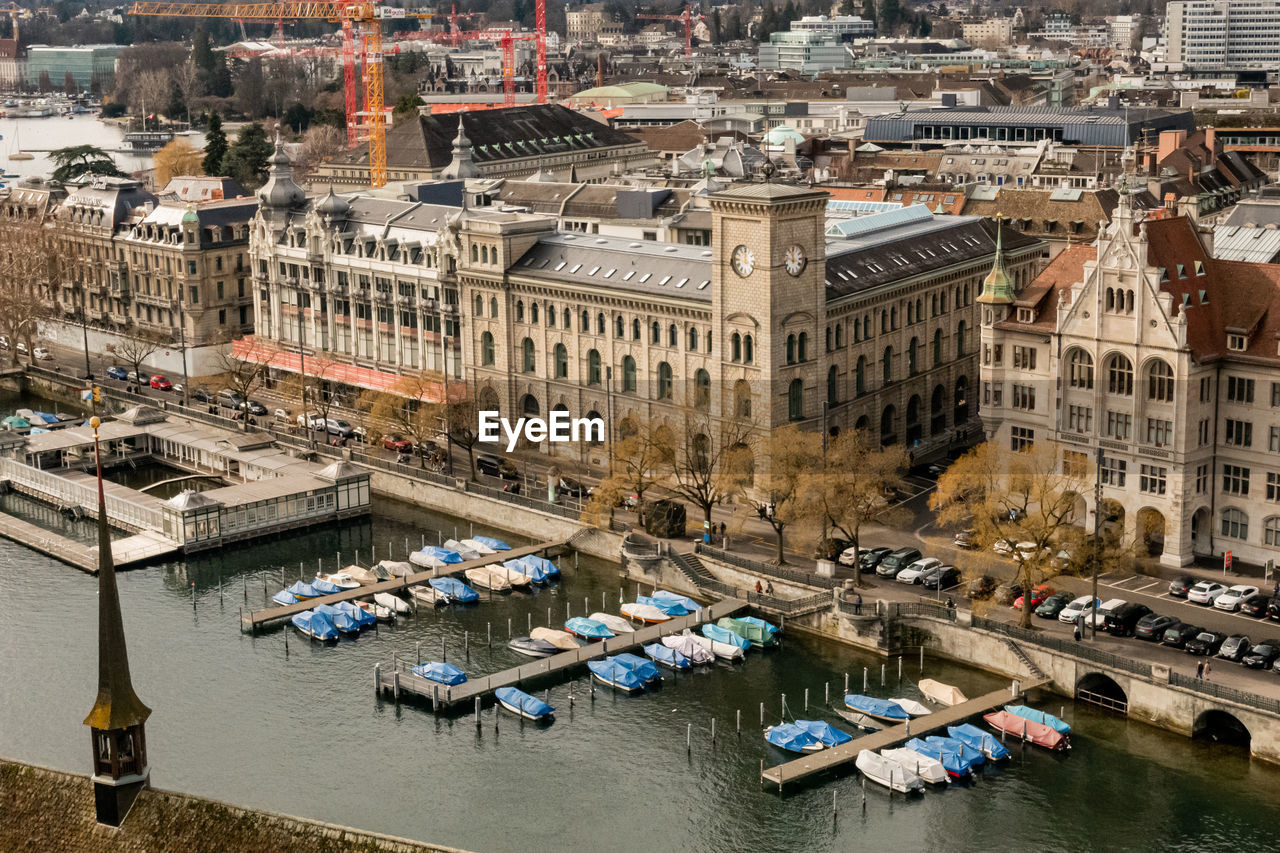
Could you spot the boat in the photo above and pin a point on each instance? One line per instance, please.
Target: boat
(881, 709)
(428, 595)
(587, 629)
(967, 754)
(493, 581)
(551, 569)
(324, 587)
(690, 648)
(667, 656)
(523, 705)
(363, 619)
(363, 577)
(911, 706)
(562, 640)
(614, 674)
(394, 603)
(514, 577)
(388, 569)
(666, 595)
(461, 550)
(379, 613)
(862, 721)
(491, 543)
(926, 767)
(445, 673)
(303, 591)
(984, 742)
(885, 771)
(645, 669)
(284, 598)
(671, 608)
(825, 733)
(769, 627)
(16, 152)
(792, 738)
(951, 761)
(444, 555)
(427, 561)
(455, 589)
(315, 625)
(943, 694)
(1028, 730)
(757, 636)
(479, 547)
(528, 570)
(532, 648)
(724, 651)
(616, 624)
(646, 613)
(723, 635)
(341, 580)
(343, 621)
(1040, 717)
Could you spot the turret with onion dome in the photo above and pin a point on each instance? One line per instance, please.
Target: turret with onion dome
(333, 206)
(998, 286)
(280, 191)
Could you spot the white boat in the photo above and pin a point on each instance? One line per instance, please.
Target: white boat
(364, 577)
(646, 613)
(928, 769)
(394, 603)
(426, 561)
(689, 647)
(517, 580)
(616, 624)
(479, 547)
(461, 550)
(486, 578)
(724, 651)
(912, 707)
(943, 694)
(398, 568)
(885, 771)
(862, 721)
(560, 639)
(428, 595)
(342, 580)
(377, 611)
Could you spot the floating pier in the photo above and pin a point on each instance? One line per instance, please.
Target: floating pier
(394, 682)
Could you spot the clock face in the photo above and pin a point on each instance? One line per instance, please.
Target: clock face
(743, 261)
(795, 260)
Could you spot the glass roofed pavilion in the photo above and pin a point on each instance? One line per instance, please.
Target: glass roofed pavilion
(1112, 128)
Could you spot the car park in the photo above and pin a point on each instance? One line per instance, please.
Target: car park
(496, 467)
(1255, 605)
(281, 415)
(133, 376)
(179, 388)
(311, 420)
(1152, 627)
(1098, 618)
(896, 561)
(1235, 647)
(1263, 655)
(871, 559)
(1205, 592)
(161, 382)
(1123, 621)
(912, 573)
(22, 347)
(115, 371)
(940, 577)
(981, 587)
(1231, 598)
(398, 443)
(1077, 607)
(1178, 635)
(1053, 605)
(1205, 643)
(965, 539)
(1179, 587)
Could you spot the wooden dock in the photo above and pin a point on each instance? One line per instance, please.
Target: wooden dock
(828, 759)
(125, 552)
(254, 619)
(394, 681)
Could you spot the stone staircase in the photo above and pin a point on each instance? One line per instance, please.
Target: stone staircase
(1026, 660)
(692, 567)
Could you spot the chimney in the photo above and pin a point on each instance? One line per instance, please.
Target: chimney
(1113, 102)
(948, 100)
(1211, 142)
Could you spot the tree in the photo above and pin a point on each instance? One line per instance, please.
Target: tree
(45, 83)
(69, 85)
(246, 160)
(407, 410)
(869, 11)
(215, 146)
(202, 55)
(245, 371)
(1026, 498)
(790, 457)
(25, 264)
(150, 93)
(711, 461)
(178, 158)
(77, 160)
(251, 90)
(135, 349)
(319, 144)
(462, 428)
(407, 105)
(187, 78)
(890, 12)
(638, 461)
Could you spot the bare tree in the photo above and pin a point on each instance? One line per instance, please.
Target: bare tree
(407, 410)
(187, 78)
(150, 92)
(790, 457)
(243, 365)
(25, 300)
(711, 463)
(320, 143)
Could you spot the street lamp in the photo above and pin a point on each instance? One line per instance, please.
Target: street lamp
(608, 393)
(1097, 541)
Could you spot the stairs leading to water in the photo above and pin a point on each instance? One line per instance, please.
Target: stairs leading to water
(1026, 661)
(692, 567)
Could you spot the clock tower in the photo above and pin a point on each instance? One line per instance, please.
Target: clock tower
(769, 298)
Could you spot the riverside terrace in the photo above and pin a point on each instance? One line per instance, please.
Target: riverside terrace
(267, 490)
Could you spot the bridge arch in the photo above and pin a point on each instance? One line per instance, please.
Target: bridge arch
(1098, 688)
(1221, 727)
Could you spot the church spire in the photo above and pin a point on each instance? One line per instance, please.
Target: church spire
(462, 166)
(997, 287)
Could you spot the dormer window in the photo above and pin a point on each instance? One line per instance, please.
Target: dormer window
(1026, 315)
(1237, 343)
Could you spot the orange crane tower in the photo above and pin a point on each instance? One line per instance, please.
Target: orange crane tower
(687, 17)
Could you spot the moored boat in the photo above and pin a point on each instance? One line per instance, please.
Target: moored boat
(646, 613)
(862, 721)
(550, 568)
(671, 608)
(768, 627)
(394, 603)
(379, 613)
(667, 656)
(881, 709)
(491, 543)
(284, 598)
(943, 694)
(532, 648)
(343, 621)
(911, 706)
(324, 587)
(461, 550)
(1029, 730)
(388, 569)
(588, 629)
(303, 591)
(690, 648)
(1040, 717)
(428, 595)
(523, 705)
(982, 741)
(315, 625)
(517, 579)
(724, 651)
(614, 674)
(968, 754)
(445, 673)
(431, 555)
(885, 771)
(825, 733)
(363, 619)
(494, 581)
(644, 669)
(951, 761)
(755, 634)
(363, 577)
(562, 640)
(342, 580)
(616, 624)
(792, 738)
(666, 595)
(479, 547)
(528, 570)
(723, 635)
(926, 767)
(455, 589)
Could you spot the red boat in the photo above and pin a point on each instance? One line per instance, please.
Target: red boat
(1030, 730)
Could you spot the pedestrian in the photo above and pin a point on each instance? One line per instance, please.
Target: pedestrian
(723, 529)
(1208, 665)
(759, 588)
(1075, 631)
(1200, 670)
(769, 589)
(857, 604)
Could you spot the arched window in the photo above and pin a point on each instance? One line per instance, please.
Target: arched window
(673, 337)
(664, 381)
(960, 339)
(600, 324)
(1235, 524)
(1160, 381)
(942, 302)
(886, 365)
(484, 254)
(839, 335)
(619, 327)
(519, 310)
(911, 357)
(833, 383)
(479, 305)
(701, 389)
(802, 350)
(593, 368)
(635, 330)
(933, 305)
(526, 348)
(748, 350)
(628, 375)
(493, 308)
(735, 346)
(742, 398)
(830, 339)
(893, 316)
(938, 411)
(860, 377)
(529, 405)
(486, 349)
(1271, 530)
(791, 349)
(1079, 369)
(533, 313)
(568, 323)
(693, 340)
(586, 321)
(884, 322)
(795, 400)
(937, 347)
(475, 253)
(1119, 376)
(910, 313)
(562, 362)
(914, 429)
(551, 317)
(709, 349)
(888, 428)
(655, 333)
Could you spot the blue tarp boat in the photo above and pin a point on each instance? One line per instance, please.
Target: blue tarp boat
(825, 733)
(284, 597)
(667, 657)
(495, 544)
(587, 629)
(344, 622)
(444, 555)
(671, 608)
(522, 704)
(750, 631)
(614, 674)
(16, 422)
(455, 589)
(534, 573)
(324, 587)
(724, 635)
(46, 418)
(445, 673)
(645, 669)
(1041, 717)
(984, 742)
(542, 563)
(951, 760)
(792, 738)
(303, 591)
(363, 617)
(315, 625)
(666, 595)
(973, 757)
(768, 627)
(881, 709)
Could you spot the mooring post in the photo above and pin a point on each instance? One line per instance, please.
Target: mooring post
(761, 715)
(826, 692)
(373, 555)
(548, 617)
(219, 589)
(922, 658)
(688, 738)
(566, 613)
(320, 567)
(806, 699)
(603, 604)
(477, 713)
(245, 578)
(338, 557)
(286, 643)
(882, 675)
(833, 803)
(529, 616)
(377, 679)
(283, 582)
(418, 648)
(508, 627)
(713, 729)
(846, 682)
(302, 571)
(899, 669)
(738, 723)
(466, 644)
(193, 595)
(488, 630)
(444, 650)
(622, 596)
(784, 706)
(864, 679)
(395, 685)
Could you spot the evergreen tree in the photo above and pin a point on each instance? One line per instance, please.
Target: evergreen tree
(848, 7)
(789, 14)
(215, 147)
(890, 14)
(869, 11)
(220, 80)
(246, 160)
(202, 52)
(768, 22)
(251, 89)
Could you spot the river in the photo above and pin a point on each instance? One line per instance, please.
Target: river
(41, 135)
(238, 718)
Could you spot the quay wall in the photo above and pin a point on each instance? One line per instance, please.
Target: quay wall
(49, 810)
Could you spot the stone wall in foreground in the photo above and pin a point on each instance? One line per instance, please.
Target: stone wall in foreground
(52, 812)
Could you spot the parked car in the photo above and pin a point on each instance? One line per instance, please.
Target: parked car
(496, 467)
(1273, 609)
(133, 376)
(178, 388)
(281, 415)
(1179, 587)
(1205, 592)
(253, 407)
(432, 452)
(1152, 627)
(965, 539)
(1235, 647)
(115, 371)
(940, 577)
(1006, 593)
(1078, 606)
(1263, 655)
(1255, 605)
(161, 382)
(896, 561)
(1123, 621)
(1178, 635)
(202, 395)
(1231, 599)
(512, 487)
(1053, 605)
(229, 399)
(311, 420)
(571, 487)
(1098, 618)
(980, 588)
(41, 354)
(1205, 643)
(338, 427)
(22, 347)
(4, 341)
(1039, 593)
(870, 560)
(398, 443)
(912, 573)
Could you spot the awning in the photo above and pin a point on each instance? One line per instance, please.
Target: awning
(248, 349)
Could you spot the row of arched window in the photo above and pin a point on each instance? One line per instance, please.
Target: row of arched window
(695, 341)
(1118, 370)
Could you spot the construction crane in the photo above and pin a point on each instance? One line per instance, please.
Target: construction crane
(506, 40)
(14, 12)
(687, 17)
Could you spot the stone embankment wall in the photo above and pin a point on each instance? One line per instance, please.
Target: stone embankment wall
(52, 812)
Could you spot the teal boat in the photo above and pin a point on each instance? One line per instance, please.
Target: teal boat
(752, 632)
